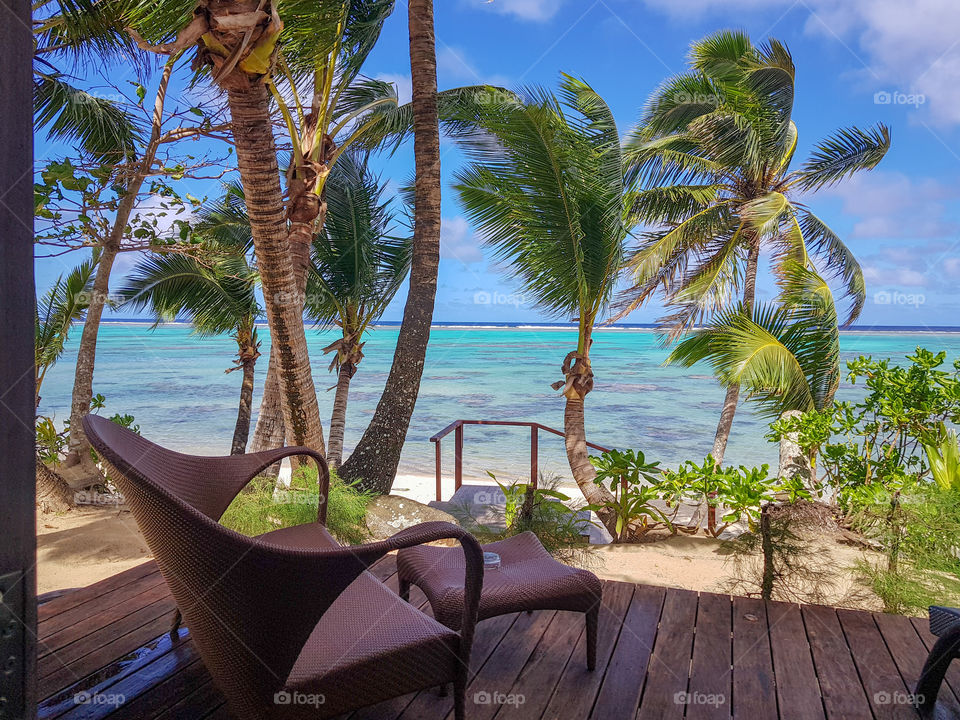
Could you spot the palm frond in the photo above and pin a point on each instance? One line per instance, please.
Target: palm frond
(844, 153)
(838, 259)
(103, 128)
(64, 303)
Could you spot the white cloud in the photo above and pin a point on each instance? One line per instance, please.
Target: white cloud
(402, 83)
(455, 68)
(536, 10)
(458, 241)
(894, 277)
(906, 47)
(892, 205)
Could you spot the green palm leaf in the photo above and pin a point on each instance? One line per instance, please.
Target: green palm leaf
(846, 152)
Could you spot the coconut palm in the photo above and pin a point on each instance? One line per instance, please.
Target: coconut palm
(217, 292)
(358, 267)
(713, 151)
(786, 354)
(549, 198)
(62, 305)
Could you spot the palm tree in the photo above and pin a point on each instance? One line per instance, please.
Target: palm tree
(62, 305)
(358, 267)
(786, 354)
(713, 150)
(217, 291)
(549, 197)
(377, 455)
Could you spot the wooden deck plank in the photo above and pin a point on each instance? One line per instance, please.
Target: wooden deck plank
(542, 672)
(206, 698)
(840, 683)
(668, 672)
(619, 695)
(710, 692)
(885, 689)
(94, 592)
(577, 688)
(793, 666)
(754, 689)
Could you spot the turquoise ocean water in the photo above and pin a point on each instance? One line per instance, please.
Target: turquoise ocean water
(174, 384)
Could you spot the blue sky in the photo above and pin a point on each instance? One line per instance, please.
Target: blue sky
(858, 62)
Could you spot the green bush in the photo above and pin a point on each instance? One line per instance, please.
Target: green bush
(263, 507)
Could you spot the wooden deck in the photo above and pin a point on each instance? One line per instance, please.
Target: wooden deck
(663, 653)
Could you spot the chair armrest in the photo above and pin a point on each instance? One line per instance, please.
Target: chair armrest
(267, 458)
(943, 619)
(473, 579)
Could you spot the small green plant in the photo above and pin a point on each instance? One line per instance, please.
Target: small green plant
(943, 456)
(634, 484)
(263, 506)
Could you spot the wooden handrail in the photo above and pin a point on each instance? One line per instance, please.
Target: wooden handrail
(457, 428)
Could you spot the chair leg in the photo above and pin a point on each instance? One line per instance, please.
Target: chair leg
(593, 620)
(944, 651)
(404, 591)
(460, 696)
(175, 622)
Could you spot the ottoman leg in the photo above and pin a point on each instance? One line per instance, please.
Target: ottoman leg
(593, 620)
(404, 590)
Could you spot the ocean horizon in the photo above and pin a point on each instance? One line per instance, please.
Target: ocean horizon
(173, 382)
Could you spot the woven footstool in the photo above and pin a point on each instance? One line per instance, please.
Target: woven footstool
(528, 579)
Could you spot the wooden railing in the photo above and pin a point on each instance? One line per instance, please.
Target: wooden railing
(457, 428)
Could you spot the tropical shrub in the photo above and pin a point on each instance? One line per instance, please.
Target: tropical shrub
(633, 482)
(262, 507)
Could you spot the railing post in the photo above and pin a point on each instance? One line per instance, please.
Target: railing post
(534, 456)
(437, 454)
(458, 457)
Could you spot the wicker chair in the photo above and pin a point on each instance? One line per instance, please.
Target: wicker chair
(289, 624)
(945, 624)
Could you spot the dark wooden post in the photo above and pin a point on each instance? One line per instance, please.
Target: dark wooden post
(458, 457)
(18, 546)
(438, 456)
(534, 456)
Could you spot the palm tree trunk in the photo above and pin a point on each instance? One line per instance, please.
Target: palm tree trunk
(338, 419)
(269, 432)
(79, 468)
(377, 455)
(242, 429)
(53, 493)
(578, 455)
(260, 174)
(733, 391)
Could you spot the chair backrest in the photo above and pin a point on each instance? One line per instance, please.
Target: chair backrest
(249, 605)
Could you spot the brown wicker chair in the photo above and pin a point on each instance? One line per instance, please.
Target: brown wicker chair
(289, 624)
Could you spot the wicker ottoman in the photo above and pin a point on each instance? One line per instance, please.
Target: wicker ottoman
(528, 578)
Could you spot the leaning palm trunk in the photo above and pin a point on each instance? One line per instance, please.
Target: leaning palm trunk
(246, 362)
(733, 391)
(338, 419)
(257, 162)
(269, 432)
(375, 459)
(53, 493)
(79, 468)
